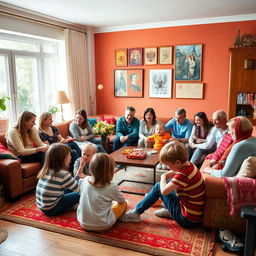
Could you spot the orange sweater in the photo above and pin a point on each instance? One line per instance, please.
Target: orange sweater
(159, 139)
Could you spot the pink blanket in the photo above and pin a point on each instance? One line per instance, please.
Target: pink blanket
(240, 192)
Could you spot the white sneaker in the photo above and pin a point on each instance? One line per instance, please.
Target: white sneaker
(164, 167)
(159, 166)
(163, 213)
(230, 241)
(130, 216)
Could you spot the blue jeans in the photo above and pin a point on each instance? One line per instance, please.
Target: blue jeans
(67, 201)
(172, 203)
(197, 157)
(75, 153)
(118, 144)
(37, 157)
(97, 142)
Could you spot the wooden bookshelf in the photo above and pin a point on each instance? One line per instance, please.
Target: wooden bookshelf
(242, 79)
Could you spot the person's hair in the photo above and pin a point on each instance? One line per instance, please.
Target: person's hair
(130, 108)
(55, 159)
(152, 111)
(102, 169)
(172, 152)
(160, 124)
(207, 125)
(42, 118)
(134, 74)
(89, 147)
(25, 116)
(181, 111)
(82, 112)
(220, 114)
(245, 124)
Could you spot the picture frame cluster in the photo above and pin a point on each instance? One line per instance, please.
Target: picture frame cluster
(187, 67)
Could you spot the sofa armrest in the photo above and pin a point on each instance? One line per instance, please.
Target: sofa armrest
(11, 177)
(215, 187)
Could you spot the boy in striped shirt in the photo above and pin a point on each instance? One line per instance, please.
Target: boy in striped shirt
(181, 189)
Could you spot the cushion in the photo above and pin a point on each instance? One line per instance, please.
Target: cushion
(92, 121)
(5, 153)
(248, 168)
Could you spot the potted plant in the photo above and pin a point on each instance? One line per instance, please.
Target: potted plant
(53, 110)
(4, 122)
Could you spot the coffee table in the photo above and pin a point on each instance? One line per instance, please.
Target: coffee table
(150, 161)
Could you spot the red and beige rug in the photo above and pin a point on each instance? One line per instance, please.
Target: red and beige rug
(153, 235)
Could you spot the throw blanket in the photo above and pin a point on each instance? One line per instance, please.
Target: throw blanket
(240, 192)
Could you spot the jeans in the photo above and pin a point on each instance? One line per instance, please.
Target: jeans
(97, 142)
(171, 201)
(118, 144)
(67, 201)
(37, 157)
(197, 157)
(75, 153)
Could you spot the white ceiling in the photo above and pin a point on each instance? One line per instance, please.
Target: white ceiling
(114, 13)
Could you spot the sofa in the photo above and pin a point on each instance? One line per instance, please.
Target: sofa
(20, 178)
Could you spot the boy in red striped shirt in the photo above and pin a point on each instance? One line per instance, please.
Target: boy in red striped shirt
(181, 189)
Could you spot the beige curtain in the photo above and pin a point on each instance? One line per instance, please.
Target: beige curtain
(77, 67)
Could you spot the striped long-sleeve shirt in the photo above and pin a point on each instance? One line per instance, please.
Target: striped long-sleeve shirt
(51, 188)
(191, 192)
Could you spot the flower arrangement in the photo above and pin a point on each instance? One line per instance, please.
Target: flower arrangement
(103, 128)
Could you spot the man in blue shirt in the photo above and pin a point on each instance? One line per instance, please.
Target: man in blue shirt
(180, 127)
(127, 129)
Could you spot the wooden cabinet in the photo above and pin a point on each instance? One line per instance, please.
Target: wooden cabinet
(242, 80)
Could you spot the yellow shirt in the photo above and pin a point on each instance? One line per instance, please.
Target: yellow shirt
(159, 140)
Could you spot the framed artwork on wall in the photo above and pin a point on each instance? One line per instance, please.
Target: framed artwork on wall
(121, 57)
(160, 83)
(165, 55)
(188, 62)
(135, 56)
(150, 56)
(128, 83)
(189, 90)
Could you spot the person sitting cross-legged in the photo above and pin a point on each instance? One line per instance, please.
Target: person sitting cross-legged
(181, 189)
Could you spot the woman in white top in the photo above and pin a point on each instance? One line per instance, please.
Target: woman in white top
(81, 130)
(147, 127)
(23, 140)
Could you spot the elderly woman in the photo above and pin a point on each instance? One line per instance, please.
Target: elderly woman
(49, 134)
(81, 130)
(23, 140)
(147, 126)
(243, 146)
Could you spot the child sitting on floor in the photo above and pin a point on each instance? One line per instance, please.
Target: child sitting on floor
(101, 202)
(56, 190)
(81, 165)
(159, 139)
(181, 189)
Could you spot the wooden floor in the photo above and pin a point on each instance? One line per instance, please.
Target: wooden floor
(25, 240)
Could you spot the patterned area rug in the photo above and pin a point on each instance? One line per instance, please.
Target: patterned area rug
(153, 235)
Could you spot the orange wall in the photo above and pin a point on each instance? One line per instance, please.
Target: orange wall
(216, 40)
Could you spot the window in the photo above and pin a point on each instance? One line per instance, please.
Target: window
(31, 70)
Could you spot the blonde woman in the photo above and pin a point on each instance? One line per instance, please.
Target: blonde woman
(23, 140)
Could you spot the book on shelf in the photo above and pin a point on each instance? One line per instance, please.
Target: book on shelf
(246, 98)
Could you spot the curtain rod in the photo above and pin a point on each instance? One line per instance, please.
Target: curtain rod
(12, 10)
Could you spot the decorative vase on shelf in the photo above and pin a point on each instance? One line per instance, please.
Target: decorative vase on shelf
(104, 141)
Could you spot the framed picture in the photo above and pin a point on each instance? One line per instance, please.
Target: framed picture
(191, 91)
(188, 62)
(165, 55)
(128, 83)
(160, 83)
(121, 57)
(135, 56)
(150, 56)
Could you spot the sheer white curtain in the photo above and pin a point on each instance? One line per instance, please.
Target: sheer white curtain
(77, 66)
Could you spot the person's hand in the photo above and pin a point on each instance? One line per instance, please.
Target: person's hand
(42, 149)
(168, 175)
(192, 145)
(207, 170)
(211, 163)
(123, 139)
(171, 139)
(82, 176)
(199, 141)
(166, 141)
(83, 138)
(82, 162)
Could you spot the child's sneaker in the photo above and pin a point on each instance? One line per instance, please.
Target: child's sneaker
(230, 241)
(159, 166)
(164, 167)
(163, 213)
(130, 216)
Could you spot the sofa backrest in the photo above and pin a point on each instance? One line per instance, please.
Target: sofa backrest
(63, 128)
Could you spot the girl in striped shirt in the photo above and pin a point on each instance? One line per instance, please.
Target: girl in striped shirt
(56, 190)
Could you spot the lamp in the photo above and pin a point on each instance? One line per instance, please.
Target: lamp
(61, 98)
